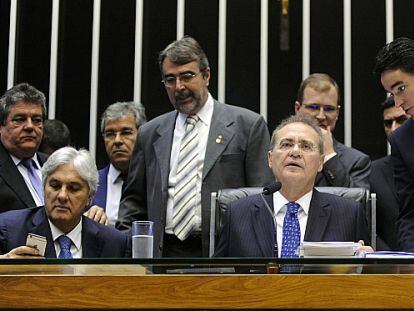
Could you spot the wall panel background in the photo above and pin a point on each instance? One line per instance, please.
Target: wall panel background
(201, 20)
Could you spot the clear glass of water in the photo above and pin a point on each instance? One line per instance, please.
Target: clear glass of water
(142, 239)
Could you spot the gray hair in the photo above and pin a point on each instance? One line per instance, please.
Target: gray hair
(121, 109)
(311, 122)
(81, 160)
(22, 92)
(183, 51)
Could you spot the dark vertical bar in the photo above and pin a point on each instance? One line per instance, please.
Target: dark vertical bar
(285, 66)
(327, 47)
(403, 18)
(367, 93)
(159, 30)
(116, 60)
(33, 43)
(201, 22)
(243, 54)
(74, 68)
(4, 42)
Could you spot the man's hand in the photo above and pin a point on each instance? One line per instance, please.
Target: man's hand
(97, 214)
(22, 252)
(327, 141)
(363, 249)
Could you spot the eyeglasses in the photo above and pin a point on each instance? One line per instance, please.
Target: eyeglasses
(399, 120)
(315, 108)
(111, 135)
(186, 77)
(304, 146)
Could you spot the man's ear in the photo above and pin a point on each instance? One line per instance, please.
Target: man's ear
(297, 106)
(269, 158)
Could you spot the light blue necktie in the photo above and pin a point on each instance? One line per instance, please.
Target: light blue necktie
(34, 178)
(65, 244)
(291, 231)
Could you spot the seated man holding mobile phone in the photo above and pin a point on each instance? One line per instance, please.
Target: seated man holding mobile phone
(59, 229)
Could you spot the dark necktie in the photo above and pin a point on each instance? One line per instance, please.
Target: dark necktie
(34, 178)
(65, 244)
(124, 178)
(291, 231)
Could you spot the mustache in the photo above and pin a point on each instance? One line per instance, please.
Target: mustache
(183, 94)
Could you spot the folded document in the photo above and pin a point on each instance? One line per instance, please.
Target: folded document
(327, 249)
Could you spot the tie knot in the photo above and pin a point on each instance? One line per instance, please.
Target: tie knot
(192, 120)
(293, 207)
(64, 242)
(29, 163)
(123, 176)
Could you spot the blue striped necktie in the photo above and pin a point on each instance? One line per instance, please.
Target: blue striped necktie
(34, 178)
(185, 192)
(65, 244)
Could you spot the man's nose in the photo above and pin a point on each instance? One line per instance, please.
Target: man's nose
(398, 101)
(62, 194)
(118, 138)
(321, 113)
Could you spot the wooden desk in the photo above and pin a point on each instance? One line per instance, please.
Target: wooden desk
(128, 287)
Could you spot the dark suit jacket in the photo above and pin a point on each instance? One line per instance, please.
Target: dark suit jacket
(402, 157)
(100, 195)
(248, 228)
(97, 240)
(14, 193)
(349, 168)
(382, 183)
(238, 159)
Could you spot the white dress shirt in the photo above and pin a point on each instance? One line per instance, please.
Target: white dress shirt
(203, 128)
(24, 172)
(279, 204)
(113, 194)
(75, 235)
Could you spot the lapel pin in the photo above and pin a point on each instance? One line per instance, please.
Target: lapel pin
(218, 139)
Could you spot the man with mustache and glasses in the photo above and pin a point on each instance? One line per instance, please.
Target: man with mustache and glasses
(22, 111)
(395, 66)
(297, 212)
(318, 97)
(181, 157)
(119, 126)
(382, 180)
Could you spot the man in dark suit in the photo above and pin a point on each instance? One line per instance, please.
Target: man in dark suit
(395, 66)
(382, 181)
(70, 181)
(318, 97)
(183, 156)
(119, 126)
(295, 213)
(22, 111)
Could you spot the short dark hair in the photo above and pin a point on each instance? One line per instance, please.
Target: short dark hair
(298, 119)
(22, 92)
(320, 82)
(183, 51)
(55, 135)
(389, 102)
(398, 54)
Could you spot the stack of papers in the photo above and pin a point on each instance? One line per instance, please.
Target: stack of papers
(328, 249)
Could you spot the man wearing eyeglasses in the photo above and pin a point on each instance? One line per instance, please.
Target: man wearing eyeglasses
(382, 181)
(119, 127)
(318, 97)
(395, 66)
(183, 156)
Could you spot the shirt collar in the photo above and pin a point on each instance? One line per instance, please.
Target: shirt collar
(279, 201)
(205, 114)
(113, 174)
(75, 235)
(17, 160)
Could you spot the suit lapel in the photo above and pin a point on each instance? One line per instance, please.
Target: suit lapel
(92, 244)
(41, 227)
(100, 196)
(221, 133)
(318, 217)
(263, 225)
(13, 178)
(162, 147)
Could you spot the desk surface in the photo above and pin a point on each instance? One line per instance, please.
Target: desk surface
(127, 286)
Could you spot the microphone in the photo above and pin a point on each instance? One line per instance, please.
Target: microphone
(272, 188)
